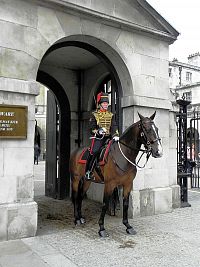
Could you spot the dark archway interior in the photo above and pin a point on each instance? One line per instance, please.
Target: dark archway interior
(64, 123)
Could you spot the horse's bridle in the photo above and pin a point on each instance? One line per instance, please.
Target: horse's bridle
(147, 144)
(144, 135)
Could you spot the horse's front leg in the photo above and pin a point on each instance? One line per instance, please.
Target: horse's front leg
(106, 200)
(129, 228)
(76, 200)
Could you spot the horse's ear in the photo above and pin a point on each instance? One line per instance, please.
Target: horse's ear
(153, 116)
(140, 116)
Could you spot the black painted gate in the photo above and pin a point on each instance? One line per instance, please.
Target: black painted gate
(193, 147)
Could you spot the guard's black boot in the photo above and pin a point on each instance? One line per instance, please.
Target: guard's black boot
(89, 167)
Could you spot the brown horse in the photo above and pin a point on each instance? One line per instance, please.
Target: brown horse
(120, 169)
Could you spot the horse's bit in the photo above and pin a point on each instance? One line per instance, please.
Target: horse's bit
(146, 144)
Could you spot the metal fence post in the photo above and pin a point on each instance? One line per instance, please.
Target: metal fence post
(182, 161)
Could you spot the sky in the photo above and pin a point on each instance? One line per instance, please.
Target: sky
(184, 16)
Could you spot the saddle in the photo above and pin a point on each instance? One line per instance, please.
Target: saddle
(101, 158)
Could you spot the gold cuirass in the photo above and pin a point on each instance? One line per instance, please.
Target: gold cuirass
(103, 119)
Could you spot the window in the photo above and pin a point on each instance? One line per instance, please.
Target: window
(188, 76)
(109, 86)
(188, 96)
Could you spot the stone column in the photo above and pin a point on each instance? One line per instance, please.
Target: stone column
(18, 211)
(154, 189)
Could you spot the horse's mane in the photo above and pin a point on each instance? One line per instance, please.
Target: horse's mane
(128, 129)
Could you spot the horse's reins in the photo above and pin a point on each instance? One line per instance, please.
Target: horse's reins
(147, 151)
(135, 164)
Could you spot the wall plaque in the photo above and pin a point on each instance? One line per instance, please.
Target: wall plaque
(13, 121)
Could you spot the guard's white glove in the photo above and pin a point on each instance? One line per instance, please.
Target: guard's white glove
(116, 138)
(104, 130)
(101, 131)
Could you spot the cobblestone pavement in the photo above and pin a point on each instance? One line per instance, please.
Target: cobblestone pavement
(171, 239)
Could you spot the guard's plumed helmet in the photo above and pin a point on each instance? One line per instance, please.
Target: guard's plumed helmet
(102, 97)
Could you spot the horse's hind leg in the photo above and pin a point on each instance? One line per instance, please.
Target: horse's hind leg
(79, 188)
(76, 199)
(129, 228)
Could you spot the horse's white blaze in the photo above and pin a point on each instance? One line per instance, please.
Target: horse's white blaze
(160, 149)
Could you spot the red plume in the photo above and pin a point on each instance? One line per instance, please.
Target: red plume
(99, 97)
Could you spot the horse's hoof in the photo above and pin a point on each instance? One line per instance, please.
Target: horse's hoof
(79, 221)
(131, 231)
(82, 220)
(103, 233)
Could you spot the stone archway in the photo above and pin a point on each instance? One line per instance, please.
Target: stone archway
(111, 57)
(50, 75)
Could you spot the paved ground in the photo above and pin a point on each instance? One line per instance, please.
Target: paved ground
(171, 239)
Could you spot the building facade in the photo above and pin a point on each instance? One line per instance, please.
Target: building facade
(71, 47)
(185, 83)
(185, 78)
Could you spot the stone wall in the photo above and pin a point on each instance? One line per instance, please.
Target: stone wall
(18, 211)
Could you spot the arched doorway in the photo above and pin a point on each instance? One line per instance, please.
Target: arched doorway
(74, 72)
(58, 136)
(111, 73)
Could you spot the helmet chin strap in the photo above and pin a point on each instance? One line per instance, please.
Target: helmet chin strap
(101, 107)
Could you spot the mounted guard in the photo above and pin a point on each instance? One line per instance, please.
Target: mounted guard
(119, 170)
(102, 128)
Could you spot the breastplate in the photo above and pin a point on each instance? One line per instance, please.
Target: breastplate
(104, 120)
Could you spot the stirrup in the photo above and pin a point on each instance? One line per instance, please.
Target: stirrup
(89, 176)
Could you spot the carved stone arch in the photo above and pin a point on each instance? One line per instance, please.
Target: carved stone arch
(110, 55)
(112, 61)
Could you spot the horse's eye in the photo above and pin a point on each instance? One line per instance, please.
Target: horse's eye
(148, 130)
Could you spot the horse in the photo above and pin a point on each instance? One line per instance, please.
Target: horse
(119, 170)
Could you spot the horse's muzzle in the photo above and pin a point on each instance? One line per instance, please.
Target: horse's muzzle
(157, 150)
(157, 153)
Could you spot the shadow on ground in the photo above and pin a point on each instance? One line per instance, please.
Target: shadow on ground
(55, 215)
